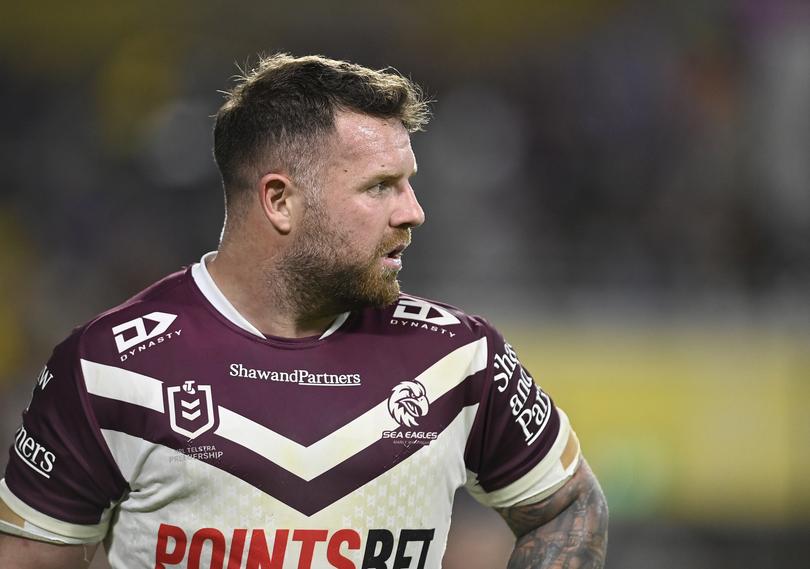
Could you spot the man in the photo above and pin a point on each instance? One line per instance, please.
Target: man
(280, 403)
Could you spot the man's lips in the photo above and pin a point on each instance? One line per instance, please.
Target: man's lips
(396, 252)
(393, 259)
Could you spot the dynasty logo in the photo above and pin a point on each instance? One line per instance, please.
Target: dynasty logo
(418, 313)
(137, 336)
(407, 403)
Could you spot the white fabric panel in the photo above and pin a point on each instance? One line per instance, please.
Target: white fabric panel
(210, 290)
(173, 489)
(41, 526)
(30, 531)
(122, 385)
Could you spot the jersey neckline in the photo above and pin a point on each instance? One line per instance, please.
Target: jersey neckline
(216, 301)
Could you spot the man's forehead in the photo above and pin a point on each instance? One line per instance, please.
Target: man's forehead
(359, 135)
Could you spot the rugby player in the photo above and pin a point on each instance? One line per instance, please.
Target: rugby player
(281, 403)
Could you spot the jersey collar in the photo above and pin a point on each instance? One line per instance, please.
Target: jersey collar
(210, 290)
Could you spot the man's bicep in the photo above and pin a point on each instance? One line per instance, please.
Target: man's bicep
(581, 493)
(22, 553)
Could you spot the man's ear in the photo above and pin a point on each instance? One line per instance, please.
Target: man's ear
(277, 193)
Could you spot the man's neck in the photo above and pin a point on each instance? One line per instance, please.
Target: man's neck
(262, 300)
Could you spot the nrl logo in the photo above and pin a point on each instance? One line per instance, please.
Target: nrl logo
(408, 402)
(195, 406)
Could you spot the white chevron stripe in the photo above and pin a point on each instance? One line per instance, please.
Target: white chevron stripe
(122, 385)
(305, 462)
(312, 461)
(190, 404)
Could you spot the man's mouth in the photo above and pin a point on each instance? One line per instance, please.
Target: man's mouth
(393, 259)
(396, 252)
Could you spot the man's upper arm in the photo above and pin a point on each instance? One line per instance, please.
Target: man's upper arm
(567, 529)
(22, 553)
(581, 494)
(525, 462)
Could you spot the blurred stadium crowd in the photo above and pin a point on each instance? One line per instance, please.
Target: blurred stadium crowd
(626, 180)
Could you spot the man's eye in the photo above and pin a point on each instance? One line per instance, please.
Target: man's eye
(378, 188)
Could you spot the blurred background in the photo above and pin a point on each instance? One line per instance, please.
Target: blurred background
(623, 187)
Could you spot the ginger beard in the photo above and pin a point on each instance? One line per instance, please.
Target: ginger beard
(324, 275)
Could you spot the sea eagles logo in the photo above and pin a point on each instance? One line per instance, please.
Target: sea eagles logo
(408, 402)
(195, 406)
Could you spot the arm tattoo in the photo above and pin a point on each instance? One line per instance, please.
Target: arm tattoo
(568, 530)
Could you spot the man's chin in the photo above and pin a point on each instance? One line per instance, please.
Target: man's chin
(356, 290)
(384, 297)
(378, 295)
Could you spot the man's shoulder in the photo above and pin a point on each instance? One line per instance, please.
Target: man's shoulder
(435, 310)
(145, 315)
(420, 317)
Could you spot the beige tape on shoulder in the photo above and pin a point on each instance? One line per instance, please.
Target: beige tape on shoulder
(571, 451)
(551, 473)
(40, 526)
(9, 516)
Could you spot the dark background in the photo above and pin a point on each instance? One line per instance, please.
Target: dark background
(623, 187)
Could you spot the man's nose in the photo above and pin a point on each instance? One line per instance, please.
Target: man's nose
(408, 212)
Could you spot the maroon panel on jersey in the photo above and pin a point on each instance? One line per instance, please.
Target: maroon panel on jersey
(516, 425)
(59, 463)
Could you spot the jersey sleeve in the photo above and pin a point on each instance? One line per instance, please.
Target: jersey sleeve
(521, 447)
(61, 482)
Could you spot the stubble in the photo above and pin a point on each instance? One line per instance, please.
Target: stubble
(320, 275)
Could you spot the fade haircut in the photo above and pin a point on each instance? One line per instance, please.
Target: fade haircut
(281, 112)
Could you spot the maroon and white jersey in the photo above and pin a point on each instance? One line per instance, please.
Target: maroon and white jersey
(175, 431)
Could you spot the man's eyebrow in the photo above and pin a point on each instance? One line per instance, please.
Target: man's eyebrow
(386, 177)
